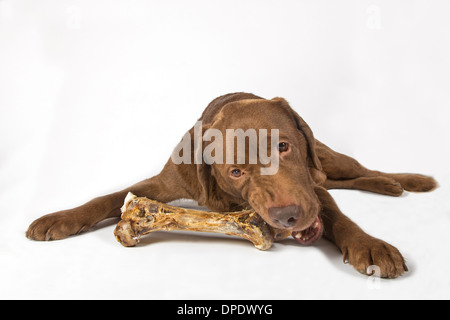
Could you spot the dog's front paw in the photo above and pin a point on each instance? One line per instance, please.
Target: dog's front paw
(416, 182)
(55, 226)
(369, 251)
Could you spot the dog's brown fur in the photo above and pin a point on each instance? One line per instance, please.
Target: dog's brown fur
(305, 172)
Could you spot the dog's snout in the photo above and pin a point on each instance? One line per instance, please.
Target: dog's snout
(285, 217)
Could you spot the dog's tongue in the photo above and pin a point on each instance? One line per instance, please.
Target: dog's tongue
(310, 234)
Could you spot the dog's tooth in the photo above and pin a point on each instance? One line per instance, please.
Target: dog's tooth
(316, 224)
(298, 235)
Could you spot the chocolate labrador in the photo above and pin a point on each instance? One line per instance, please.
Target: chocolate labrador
(293, 196)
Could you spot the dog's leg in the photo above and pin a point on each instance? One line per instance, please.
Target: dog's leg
(358, 248)
(379, 184)
(164, 187)
(344, 172)
(411, 182)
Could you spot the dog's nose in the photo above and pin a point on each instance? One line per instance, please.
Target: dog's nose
(285, 217)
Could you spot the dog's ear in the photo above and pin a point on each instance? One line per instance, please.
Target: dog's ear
(303, 127)
(188, 156)
(203, 169)
(204, 177)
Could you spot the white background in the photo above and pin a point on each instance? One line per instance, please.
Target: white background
(94, 95)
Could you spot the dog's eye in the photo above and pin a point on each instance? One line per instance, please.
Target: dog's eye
(283, 147)
(236, 173)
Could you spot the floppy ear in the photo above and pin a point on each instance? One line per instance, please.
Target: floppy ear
(303, 127)
(204, 177)
(203, 170)
(191, 162)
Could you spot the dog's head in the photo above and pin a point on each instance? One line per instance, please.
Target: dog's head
(284, 195)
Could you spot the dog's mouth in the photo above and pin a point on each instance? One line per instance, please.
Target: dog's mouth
(311, 234)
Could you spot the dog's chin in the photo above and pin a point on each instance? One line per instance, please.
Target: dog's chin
(310, 234)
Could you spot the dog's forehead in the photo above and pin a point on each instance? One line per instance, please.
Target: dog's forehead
(254, 113)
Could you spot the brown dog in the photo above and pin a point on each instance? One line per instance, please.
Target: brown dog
(294, 198)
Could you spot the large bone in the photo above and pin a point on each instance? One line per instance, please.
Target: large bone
(141, 216)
